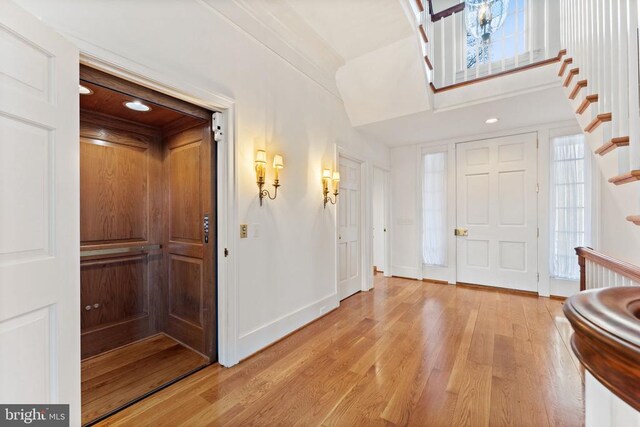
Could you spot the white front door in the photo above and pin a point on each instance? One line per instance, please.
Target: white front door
(497, 204)
(349, 247)
(39, 214)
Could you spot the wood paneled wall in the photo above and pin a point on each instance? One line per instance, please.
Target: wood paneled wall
(121, 206)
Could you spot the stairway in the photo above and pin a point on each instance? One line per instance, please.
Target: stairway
(599, 73)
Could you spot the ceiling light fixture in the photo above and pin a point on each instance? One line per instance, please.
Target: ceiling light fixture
(84, 90)
(492, 120)
(137, 106)
(485, 17)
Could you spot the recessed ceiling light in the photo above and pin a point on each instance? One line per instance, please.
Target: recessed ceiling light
(84, 90)
(492, 120)
(137, 106)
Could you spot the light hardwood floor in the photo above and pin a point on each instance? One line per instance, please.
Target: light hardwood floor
(119, 376)
(406, 353)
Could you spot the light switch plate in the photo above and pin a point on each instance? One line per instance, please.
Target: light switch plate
(244, 228)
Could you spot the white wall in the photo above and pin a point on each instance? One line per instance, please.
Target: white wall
(406, 172)
(287, 268)
(618, 238)
(605, 409)
(386, 83)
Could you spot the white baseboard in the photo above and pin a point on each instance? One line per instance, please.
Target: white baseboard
(563, 288)
(402, 271)
(259, 338)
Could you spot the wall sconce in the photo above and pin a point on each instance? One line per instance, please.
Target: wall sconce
(326, 177)
(261, 169)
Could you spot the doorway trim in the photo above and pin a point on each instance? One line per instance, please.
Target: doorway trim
(227, 179)
(366, 249)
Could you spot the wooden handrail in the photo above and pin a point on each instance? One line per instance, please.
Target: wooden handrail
(622, 268)
(447, 12)
(500, 74)
(606, 339)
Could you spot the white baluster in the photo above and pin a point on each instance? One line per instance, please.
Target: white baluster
(614, 67)
(517, 37)
(545, 20)
(454, 48)
(443, 58)
(528, 16)
(623, 69)
(632, 74)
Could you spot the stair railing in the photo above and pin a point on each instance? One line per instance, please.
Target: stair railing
(452, 58)
(598, 270)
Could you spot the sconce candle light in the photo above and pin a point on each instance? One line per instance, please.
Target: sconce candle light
(261, 170)
(326, 177)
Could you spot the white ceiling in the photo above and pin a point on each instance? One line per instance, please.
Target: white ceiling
(546, 106)
(354, 27)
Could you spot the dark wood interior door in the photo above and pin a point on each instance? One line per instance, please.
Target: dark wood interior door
(189, 247)
(120, 184)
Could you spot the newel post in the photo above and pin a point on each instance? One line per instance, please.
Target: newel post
(583, 273)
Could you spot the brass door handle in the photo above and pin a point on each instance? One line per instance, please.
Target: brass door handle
(461, 232)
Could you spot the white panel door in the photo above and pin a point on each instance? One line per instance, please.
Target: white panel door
(39, 214)
(349, 239)
(379, 218)
(497, 204)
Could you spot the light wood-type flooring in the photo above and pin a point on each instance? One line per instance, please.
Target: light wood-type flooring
(119, 376)
(406, 353)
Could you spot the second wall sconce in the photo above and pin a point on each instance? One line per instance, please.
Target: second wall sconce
(261, 169)
(326, 177)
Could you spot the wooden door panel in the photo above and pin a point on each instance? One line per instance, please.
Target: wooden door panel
(185, 189)
(190, 260)
(185, 293)
(118, 286)
(113, 190)
(120, 206)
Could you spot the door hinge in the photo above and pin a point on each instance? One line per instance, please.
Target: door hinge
(538, 277)
(538, 232)
(216, 126)
(226, 252)
(537, 188)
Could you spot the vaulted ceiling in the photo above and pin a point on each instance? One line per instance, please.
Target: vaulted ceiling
(354, 27)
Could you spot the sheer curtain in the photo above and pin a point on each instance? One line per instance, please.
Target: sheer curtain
(434, 209)
(569, 204)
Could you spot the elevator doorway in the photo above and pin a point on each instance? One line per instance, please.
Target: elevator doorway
(148, 237)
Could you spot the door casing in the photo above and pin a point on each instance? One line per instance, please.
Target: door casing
(227, 179)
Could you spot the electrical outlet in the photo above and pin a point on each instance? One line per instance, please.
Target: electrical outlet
(244, 229)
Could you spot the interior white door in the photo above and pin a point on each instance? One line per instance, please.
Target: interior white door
(379, 218)
(39, 214)
(349, 239)
(497, 204)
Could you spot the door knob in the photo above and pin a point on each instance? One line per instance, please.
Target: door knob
(461, 232)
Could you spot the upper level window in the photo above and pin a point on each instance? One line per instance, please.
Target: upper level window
(504, 38)
(570, 191)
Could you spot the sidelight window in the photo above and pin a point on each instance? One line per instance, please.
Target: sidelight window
(570, 218)
(434, 209)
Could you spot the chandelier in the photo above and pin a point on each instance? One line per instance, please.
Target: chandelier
(485, 17)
